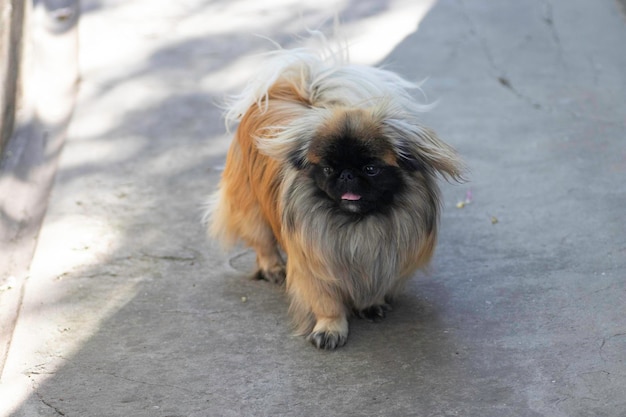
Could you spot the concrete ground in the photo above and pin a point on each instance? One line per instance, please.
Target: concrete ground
(130, 310)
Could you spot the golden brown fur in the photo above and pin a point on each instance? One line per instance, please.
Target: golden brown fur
(336, 262)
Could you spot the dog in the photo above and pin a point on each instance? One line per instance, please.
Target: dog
(330, 166)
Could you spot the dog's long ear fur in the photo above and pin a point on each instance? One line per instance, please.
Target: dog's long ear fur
(289, 143)
(285, 109)
(418, 147)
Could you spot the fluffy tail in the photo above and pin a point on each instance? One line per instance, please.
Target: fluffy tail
(216, 219)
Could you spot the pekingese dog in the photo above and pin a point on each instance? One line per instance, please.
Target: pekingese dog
(330, 164)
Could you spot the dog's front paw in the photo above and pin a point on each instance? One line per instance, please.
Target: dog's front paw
(275, 274)
(327, 340)
(329, 333)
(374, 313)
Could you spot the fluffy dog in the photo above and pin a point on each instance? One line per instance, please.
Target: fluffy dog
(330, 164)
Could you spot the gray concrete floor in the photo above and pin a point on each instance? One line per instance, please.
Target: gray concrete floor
(130, 310)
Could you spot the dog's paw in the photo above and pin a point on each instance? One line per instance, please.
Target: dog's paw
(374, 313)
(329, 333)
(327, 340)
(275, 274)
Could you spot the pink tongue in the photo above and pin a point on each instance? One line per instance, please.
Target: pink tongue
(350, 197)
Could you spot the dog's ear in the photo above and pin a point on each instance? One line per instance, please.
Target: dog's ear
(289, 142)
(297, 158)
(419, 148)
(288, 145)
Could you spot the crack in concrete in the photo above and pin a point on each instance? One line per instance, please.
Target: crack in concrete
(185, 257)
(48, 404)
(151, 384)
(497, 71)
(198, 312)
(506, 83)
(114, 375)
(501, 77)
(473, 29)
(236, 258)
(548, 19)
(40, 396)
(604, 341)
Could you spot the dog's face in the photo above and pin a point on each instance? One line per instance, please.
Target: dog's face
(354, 165)
(355, 178)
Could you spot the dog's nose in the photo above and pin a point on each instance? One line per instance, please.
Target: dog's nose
(346, 175)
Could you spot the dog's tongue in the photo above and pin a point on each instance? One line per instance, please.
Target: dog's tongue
(350, 197)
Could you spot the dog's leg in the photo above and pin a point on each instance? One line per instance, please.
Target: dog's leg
(270, 262)
(234, 222)
(257, 233)
(318, 309)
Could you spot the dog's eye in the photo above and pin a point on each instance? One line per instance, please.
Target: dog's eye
(371, 170)
(328, 170)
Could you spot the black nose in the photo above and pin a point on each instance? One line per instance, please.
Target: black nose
(346, 175)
